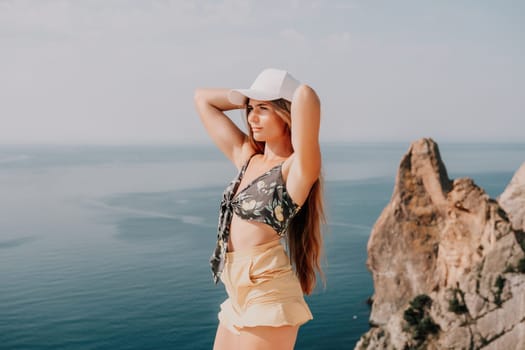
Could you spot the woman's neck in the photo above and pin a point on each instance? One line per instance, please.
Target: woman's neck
(275, 151)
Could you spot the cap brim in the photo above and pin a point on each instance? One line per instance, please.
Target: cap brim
(238, 96)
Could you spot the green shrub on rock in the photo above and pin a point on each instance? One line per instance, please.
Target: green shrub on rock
(420, 324)
(457, 303)
(499, 284)
(521, 266)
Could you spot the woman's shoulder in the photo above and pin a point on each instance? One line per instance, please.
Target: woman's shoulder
(243, 156)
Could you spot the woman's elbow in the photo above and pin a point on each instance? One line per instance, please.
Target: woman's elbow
(198, 95)
(201, 98)
(306, 92)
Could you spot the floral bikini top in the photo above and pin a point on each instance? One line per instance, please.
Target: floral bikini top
(265, 199)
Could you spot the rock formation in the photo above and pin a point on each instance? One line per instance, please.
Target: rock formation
(447, 262)
(513, 199)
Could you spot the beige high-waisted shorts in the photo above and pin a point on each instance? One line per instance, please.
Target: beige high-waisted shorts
(262, 288)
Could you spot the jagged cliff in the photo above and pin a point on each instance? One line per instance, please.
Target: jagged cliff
(447, 261)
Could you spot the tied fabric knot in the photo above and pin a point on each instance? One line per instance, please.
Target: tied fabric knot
(218, 258)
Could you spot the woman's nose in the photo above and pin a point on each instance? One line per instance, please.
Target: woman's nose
(253, 117)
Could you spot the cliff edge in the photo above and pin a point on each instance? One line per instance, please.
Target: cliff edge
(447, 261)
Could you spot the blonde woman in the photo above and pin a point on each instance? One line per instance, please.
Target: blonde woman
(276, 194)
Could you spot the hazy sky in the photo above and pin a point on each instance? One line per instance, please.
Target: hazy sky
(103, 71)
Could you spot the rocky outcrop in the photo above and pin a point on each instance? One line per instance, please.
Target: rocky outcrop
(447, 262)
(512, 200)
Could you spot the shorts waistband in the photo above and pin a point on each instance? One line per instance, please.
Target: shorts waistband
(252, 251)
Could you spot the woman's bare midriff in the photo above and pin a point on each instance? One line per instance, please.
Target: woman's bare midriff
(245, 234)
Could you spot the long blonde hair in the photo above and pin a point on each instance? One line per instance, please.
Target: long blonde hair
(304, 234)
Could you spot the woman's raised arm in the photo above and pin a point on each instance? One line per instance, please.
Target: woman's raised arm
(210, 104)
(306, 165)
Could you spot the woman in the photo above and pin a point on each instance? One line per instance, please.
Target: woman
(277, 193)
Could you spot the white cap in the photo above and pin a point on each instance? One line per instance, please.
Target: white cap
(270, 84)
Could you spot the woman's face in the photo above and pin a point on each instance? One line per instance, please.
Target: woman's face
(265, 124)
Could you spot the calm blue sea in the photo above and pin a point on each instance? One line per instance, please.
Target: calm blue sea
(108, 247)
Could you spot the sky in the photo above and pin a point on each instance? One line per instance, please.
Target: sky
(124, 72)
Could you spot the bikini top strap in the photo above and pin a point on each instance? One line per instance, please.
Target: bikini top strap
(243, 169)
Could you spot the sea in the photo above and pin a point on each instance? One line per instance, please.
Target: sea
(107, 247)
